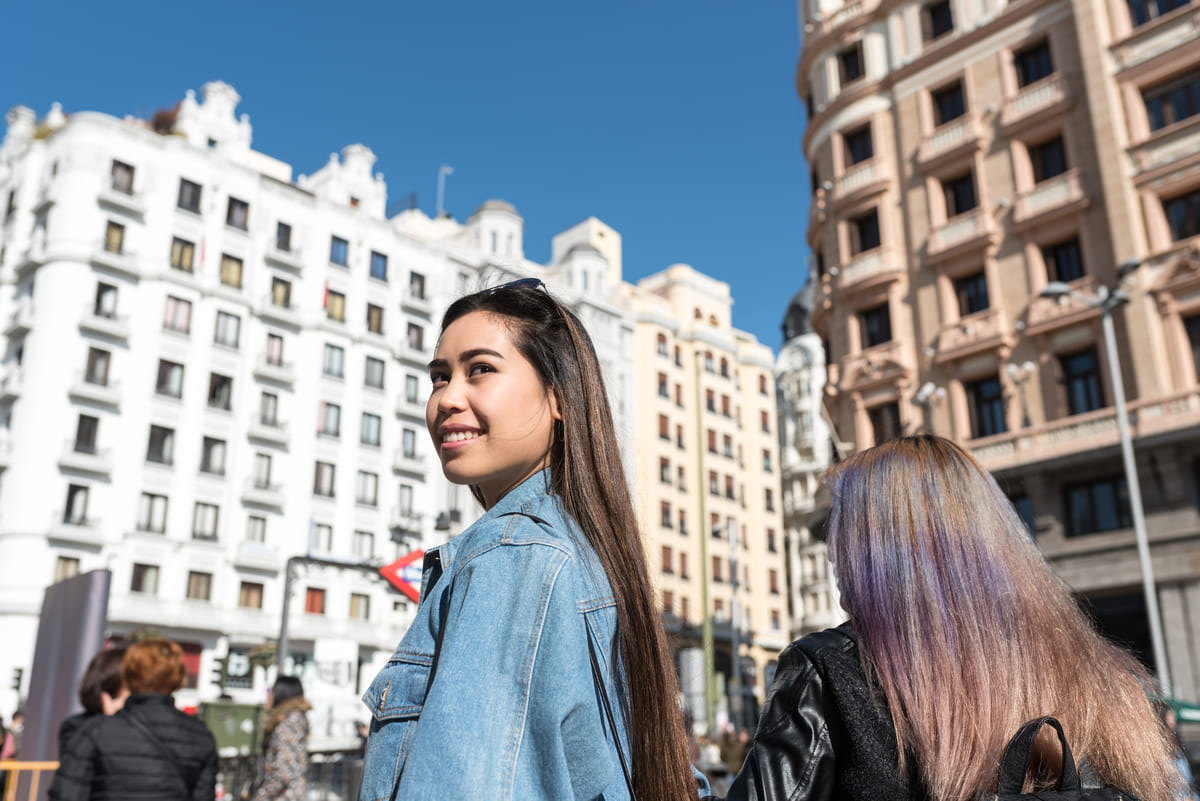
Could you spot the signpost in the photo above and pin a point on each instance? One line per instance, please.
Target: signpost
(405, 574)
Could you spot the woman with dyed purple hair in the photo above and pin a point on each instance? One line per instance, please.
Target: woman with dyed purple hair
(958, 634)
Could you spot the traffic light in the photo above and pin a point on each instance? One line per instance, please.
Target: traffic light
(221, 672)
(18, 674)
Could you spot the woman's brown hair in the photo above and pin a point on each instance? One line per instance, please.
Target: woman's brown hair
(153, 665)
(589, 478)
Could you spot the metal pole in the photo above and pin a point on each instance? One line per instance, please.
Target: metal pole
(282, 647)
(1107, 301)
(706, 632)
(443, 171)
(735, 686)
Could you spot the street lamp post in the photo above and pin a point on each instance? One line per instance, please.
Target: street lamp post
(735, 677)
(1020, 375)
(1106, 300)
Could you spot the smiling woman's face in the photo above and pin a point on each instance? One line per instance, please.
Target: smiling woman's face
(490, 417)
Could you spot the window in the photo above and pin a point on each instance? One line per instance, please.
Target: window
(314, 601)
(710, 400)
(152, 513)
(144, 579)
(668, 602)
(183, 254)
(766, 461)
(212, 456)
(727, 446)
(724, 405)
(408, 443)
(1172, 100)
(864, 232)
(65, 567)
(283, 237)
(664, 390)
(231, 271)
(106, 301)
(275, 350)
(370, 429)
(683, 532)
(360, 606)
(170, 379)
(936, 20)
(373, 373)
(716, 571)
(662, 345)
(338, 250)
(189, 195)
(323, 480)
(378, 266)
(762, 384)
(177, 315)
(330, 419)
(122, 177)
(416, 337)
(1142, 11)
(374, 318)
(729, 487)
(857, 145)
(1063, 260)
(769, 500)
(364, 544)
(335, 306)
(85, 433)
(771, 546)
(773, 581)
(1033, 63)
(405, 503)
(281, 293)
(714, 484)
(960, 194)
(262, 470)
(412, 389)
(161, 448)
(1048, 159)
(885, 421)
(236, 213)
(1192, 326)
(679, 437)
(1183, 215)
(986, 406)
(75, 512)
(1097, 505)
(204, 521)
(664, 471)
(666, 518)
(876, 324)
(97, 366)
(227, 329)
(664, 427)
(250, 595)
(712, 441)
(680, 478)
(1081, 376)
(220, 391)
(332, 363)
(367, 488)
(268, 409)
(199, 586)
(416, 285)
(850, 63)
(949, 103)
(972, 293)
(256, 529)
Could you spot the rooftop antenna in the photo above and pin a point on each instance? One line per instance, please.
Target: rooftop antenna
(443, 171)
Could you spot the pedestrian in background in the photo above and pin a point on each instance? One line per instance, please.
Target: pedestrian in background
(102, 691)
(285, 744)
(148, 750)
(493, 693)
(958, 634)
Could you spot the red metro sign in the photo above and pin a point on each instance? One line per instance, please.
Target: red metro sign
(405, 574)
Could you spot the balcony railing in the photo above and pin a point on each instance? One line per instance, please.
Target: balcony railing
(872, 364)
(975, 332)
(1167, 147)
(865, 267)
(961, 230)
(1045, 313)
(949, 138)
(1034, 100)
(1053, 194)
(21, 321)
(862, 176)
(85, 458)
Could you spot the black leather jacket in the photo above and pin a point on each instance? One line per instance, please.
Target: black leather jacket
(825, 731)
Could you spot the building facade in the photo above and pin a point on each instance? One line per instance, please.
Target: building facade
(964, 157)
(707, 467)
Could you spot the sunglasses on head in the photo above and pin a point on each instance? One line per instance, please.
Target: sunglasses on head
(520, 283)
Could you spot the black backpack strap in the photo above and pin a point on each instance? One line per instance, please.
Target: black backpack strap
(1015, 763)
(167, 753)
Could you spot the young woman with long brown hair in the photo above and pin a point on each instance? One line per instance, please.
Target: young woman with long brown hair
(492, 693)
(958, 634)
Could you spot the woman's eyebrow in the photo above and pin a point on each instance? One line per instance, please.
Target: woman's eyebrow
(466, 356)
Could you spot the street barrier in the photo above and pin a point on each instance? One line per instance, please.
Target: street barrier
(11, 772)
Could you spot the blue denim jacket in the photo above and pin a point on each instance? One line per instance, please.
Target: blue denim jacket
(512, 712)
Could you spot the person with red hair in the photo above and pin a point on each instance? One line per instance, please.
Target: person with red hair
(149, 750)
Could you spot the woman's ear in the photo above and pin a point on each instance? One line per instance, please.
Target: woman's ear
(555, 412)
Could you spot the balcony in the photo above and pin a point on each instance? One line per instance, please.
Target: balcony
(84, 458)
(1166, 147)
(867, 270)
(21, 321)
(288, 259)
(1151, 40)
(263, 493)
(279, 372)
(1046, 314)
(284, 315)
(408, 463)
(409, 408)
(880, 365)
(982, 331)
(129, 202)
(104, 394)
(416, 304)
(955, 138)
(275, 433)
(821, 25)
(1084, 433)
(257, 556)
(12, 384)
(124, 262)
(1034, 102)
(862, 180)
(112, 326)
(83, 532)
(971, 230)
(1061, 194)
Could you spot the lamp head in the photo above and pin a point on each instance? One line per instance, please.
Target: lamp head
(1127, 267)
(1055, 289)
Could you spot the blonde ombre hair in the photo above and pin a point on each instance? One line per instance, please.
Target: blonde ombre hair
(968, 632)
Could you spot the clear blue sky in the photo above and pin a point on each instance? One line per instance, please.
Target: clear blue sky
(675, 122)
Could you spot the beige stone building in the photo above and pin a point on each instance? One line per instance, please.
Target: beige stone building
(964, 156)
(707, 466)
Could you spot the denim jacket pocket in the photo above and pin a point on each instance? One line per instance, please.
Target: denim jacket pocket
(395, 699)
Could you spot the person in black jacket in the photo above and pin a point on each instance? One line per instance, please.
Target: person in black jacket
(147, 751)
(102, 691)
(959, 633)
